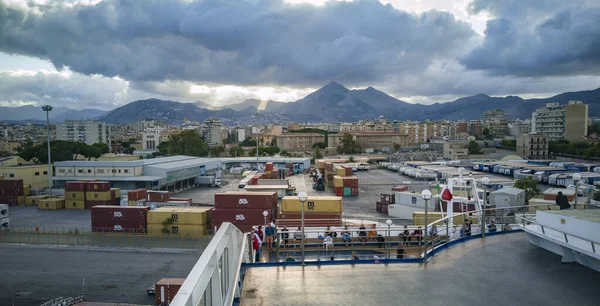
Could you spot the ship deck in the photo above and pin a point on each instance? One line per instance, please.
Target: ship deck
(498, 270)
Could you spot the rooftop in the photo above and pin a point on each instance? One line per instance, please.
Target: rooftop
(587, 215)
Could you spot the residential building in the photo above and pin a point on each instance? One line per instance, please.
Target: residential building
(212, 132)
(9, 146)
(33, 176)
(421, 132)
(265, 140)
(239, 134)
(475, 128)
(150, 141)
(166, 135)
(293, 142)
(371, 141)
(557, 121)
(519, 128)
(533, 146)
(454, 150)
(88, 131)
(495, 121)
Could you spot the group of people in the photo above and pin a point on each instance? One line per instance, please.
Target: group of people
(259, 236)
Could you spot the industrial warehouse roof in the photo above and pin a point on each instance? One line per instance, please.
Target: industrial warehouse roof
(182, 164)
(176, 161)
(128, 163)
(513, 191)
(265, 159)
(145, 178)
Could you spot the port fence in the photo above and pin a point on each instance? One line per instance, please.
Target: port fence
(84, 237)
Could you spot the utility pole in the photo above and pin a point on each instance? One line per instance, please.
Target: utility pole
(48, 109)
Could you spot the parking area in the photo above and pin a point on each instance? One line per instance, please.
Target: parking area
(32, 275)
(206, 195)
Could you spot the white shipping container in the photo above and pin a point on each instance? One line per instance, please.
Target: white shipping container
(4, 223)
(3, 211)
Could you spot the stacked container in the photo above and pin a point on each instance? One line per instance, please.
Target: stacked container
(384, 201)
(345, 185)
(4, 217)
(127, 219)
(244, 209)
(318, 211)
(137, 197)
(52, 203)
(97, 193)
(10, 191)
(34, 200)
(158, 196)
(75, 195)
(183, 221)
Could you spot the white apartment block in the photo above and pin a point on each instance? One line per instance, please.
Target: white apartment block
(88, 131)
(557, 121)
(212, 132)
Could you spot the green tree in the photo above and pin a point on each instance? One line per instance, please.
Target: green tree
(487, 134)
(102, 147)
(129, 150)
(217, 151)
(509, 143)
(187, 143)
(317, 153)
(274, 142)
(530, 187)
(237, 151)
(474, 148)
(397, 146)
(248, 142)
(285, 154)
(348, 145)
(351, 159)
(320, 145)
(163, 148)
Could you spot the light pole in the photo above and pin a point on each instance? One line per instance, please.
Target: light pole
(576, 178)
(302, 197)
(48, 109)
(265, 214)
(389, 223)
(426, 195)
(485, 181)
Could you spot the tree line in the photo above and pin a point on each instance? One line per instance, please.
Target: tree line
(61, 150)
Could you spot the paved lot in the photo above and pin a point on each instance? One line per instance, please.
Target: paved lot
(206, 195)
(500, 270)
(65, 219)
(32, 275)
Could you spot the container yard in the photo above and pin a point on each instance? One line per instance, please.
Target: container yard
(120, 219)
(181, 221)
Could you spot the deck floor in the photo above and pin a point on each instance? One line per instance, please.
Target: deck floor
(500, 270)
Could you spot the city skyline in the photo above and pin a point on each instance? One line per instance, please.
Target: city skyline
(94, 54)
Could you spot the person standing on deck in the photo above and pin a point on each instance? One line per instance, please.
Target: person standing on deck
(285, 236)
(270, 231)
(362, 233)
(261, 234)
(256, 243)
(562, 201)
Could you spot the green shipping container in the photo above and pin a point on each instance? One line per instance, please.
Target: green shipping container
(347, 191)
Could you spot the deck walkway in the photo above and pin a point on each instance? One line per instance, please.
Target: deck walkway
(500, 270)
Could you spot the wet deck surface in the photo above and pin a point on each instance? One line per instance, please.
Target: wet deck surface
(500, 270)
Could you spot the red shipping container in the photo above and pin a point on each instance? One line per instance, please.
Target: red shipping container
(113, 194)
(137, 194)
(158, 196)
(339, 191)
(11, 188)
(244, 219)
(97, 186)
(348, 171)
(350, 181)
(189, 200)
(246, 200)
(166, 289)
(289, 165)
(129, 219)
(384, 208)
(386, 198)
(329, 166)
(400, 188)
(378, 206)
(8, 200)
(269, 166)
(77, 186)
(354, 191)
(254, 180)
(330, 177)
(90, 204)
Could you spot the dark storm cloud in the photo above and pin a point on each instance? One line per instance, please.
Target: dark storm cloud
(538, 38)
(232, 42)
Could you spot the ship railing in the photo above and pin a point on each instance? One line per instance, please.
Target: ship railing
(552, 233)
(215, 278)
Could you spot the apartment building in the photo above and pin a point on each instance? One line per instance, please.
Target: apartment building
(475, 128)
(533, 146)
(293, 142)
(519, 128)
(557, 121)
(88, 131)
(495, 121)
(212, 132)
(454, 150)
(371, 141)
(420, 132)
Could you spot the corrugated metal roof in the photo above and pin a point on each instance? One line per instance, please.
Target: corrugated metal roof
(144, 178)
(509, 190)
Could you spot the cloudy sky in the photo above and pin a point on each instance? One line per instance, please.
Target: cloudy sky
(105, 53)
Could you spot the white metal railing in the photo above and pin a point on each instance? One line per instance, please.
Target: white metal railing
(61, 301)
(214, 280)
(575, 241)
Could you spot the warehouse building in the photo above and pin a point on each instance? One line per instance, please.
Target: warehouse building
(165, 173)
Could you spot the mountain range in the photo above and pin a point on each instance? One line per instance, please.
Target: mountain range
(331, 103)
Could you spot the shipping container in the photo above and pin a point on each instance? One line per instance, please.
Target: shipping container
(180, 215)
(75, 195)
(26, 190)
(273, 182)
(178, 229)
(77, 186)
(293, 220)
(400, 188)
(355, 191)
(137, 203)
(166, 289)
(317, 204)
(348, 171)
(117, 192)
(72, 204)
(34, 200)
(347, 191)
(97, 186)
(158, 196)
(182, 199)
(9, 200)
(98, 195)
(21, 200)
(338, 191)
(339, 170)
(154, 205)
(89, 204)
(246, 200)
(243, 219)
(350, 181)
(329, 166)
(338, 181)
(11, 187)
(129, 219)
(137, 194)
(52, 203)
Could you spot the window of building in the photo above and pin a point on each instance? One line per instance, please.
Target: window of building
(89, 170)
(59, 171)
(114, 171)
(45, 172)
(37, 174)
(11, 175)
(126, 171)
(69, 171)
(79, 170)
(100, 171)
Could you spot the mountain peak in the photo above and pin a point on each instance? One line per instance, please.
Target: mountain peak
(333, 87)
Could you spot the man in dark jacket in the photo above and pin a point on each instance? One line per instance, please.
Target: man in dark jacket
(562, 201)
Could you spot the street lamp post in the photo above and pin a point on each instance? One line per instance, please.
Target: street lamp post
(389, 223)
(265, 214)
(576, 178)
(485, 181)
(302, 197)
(48, 109)
(426, 195)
